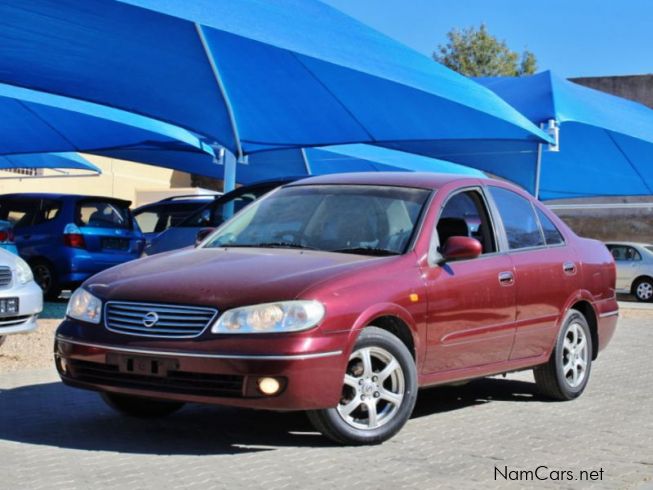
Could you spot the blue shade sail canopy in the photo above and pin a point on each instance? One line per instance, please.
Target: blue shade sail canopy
(605, 142)
(63, 161)
(341, 159)
(301, 162)
(38, 122)
(251, 75)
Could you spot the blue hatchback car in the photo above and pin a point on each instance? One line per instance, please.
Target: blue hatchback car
(67, 238)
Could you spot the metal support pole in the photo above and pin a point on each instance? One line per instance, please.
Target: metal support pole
(538, 171)
(230, 162)
(307, 164)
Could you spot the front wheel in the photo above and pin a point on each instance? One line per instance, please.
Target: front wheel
(643, 290)
(135, 406)
(378, 394)
(566, 374)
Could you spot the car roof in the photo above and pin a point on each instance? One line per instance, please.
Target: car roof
(165, 203)
(53, 195)
(424, 180)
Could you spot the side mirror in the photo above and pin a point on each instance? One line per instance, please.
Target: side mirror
(202, 234)
(461, 247)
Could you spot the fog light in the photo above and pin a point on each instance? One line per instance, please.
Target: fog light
(63, 365)
(268, 386)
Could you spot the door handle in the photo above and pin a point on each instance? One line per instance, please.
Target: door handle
(27, 237)
(569, 268)
(506, 278)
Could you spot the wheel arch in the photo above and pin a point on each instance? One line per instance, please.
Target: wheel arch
(633, 285)
(587, 310)
(395, 320)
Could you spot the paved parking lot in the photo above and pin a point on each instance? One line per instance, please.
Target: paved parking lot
(52, 436)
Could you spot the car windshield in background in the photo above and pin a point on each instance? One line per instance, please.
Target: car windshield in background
(102, 214)
(368, 220)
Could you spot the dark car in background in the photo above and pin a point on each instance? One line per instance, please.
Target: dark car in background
(211, 215)
(156, 217)
(67, 238)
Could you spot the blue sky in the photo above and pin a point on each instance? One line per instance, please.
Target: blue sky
(571, 37)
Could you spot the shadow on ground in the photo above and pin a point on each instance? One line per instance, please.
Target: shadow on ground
(55, 415)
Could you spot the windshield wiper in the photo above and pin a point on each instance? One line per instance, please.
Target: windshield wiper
(381, 252)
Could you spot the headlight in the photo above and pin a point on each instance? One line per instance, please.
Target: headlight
(23, 271)
(286, 316)
(84, 306)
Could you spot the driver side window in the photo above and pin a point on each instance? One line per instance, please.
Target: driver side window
(466, 214)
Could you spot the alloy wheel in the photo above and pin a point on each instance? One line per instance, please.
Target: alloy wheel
(373, 390)
(575, 355)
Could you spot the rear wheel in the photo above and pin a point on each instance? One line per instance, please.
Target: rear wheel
(566, 374)
(643, 289)
(46, 278)
(378, 394)
(135, 406)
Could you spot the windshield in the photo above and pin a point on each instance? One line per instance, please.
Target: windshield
(369, 220)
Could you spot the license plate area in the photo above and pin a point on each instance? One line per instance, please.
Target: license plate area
(112, 243)
(144, 366)
(9, 307)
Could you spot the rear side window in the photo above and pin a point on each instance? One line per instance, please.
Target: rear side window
(551, 234)
(102, 214)
(519, 219)
(48, 211)
(19, 212)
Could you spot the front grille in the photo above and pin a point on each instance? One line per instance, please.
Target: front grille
(179, 382)
(5, 276)
(157, 320)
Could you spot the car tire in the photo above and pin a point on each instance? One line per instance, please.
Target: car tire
(46, 277)
(144, 408)
(643, 290)
(381, 376)
(566, 374)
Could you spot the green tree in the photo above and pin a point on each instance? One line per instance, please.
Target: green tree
(477, 53)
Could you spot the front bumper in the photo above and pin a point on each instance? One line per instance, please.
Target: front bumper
(310, 379)
(30, 304)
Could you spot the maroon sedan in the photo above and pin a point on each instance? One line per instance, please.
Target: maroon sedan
(341, 296)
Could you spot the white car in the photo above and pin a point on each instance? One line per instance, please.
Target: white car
(634, 268)
(21, 299)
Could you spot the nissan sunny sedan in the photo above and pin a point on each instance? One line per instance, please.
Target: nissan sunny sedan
(343, 295)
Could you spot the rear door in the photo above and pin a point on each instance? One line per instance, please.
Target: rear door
(108, 227)
(546, 271)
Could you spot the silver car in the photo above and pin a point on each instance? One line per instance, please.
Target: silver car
(21, 300)
(634, 268)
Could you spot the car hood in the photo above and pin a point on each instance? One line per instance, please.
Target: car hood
(223, 278)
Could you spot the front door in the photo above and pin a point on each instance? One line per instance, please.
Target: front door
(471, 302)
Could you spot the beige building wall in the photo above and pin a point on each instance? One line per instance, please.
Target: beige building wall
(119, 178)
